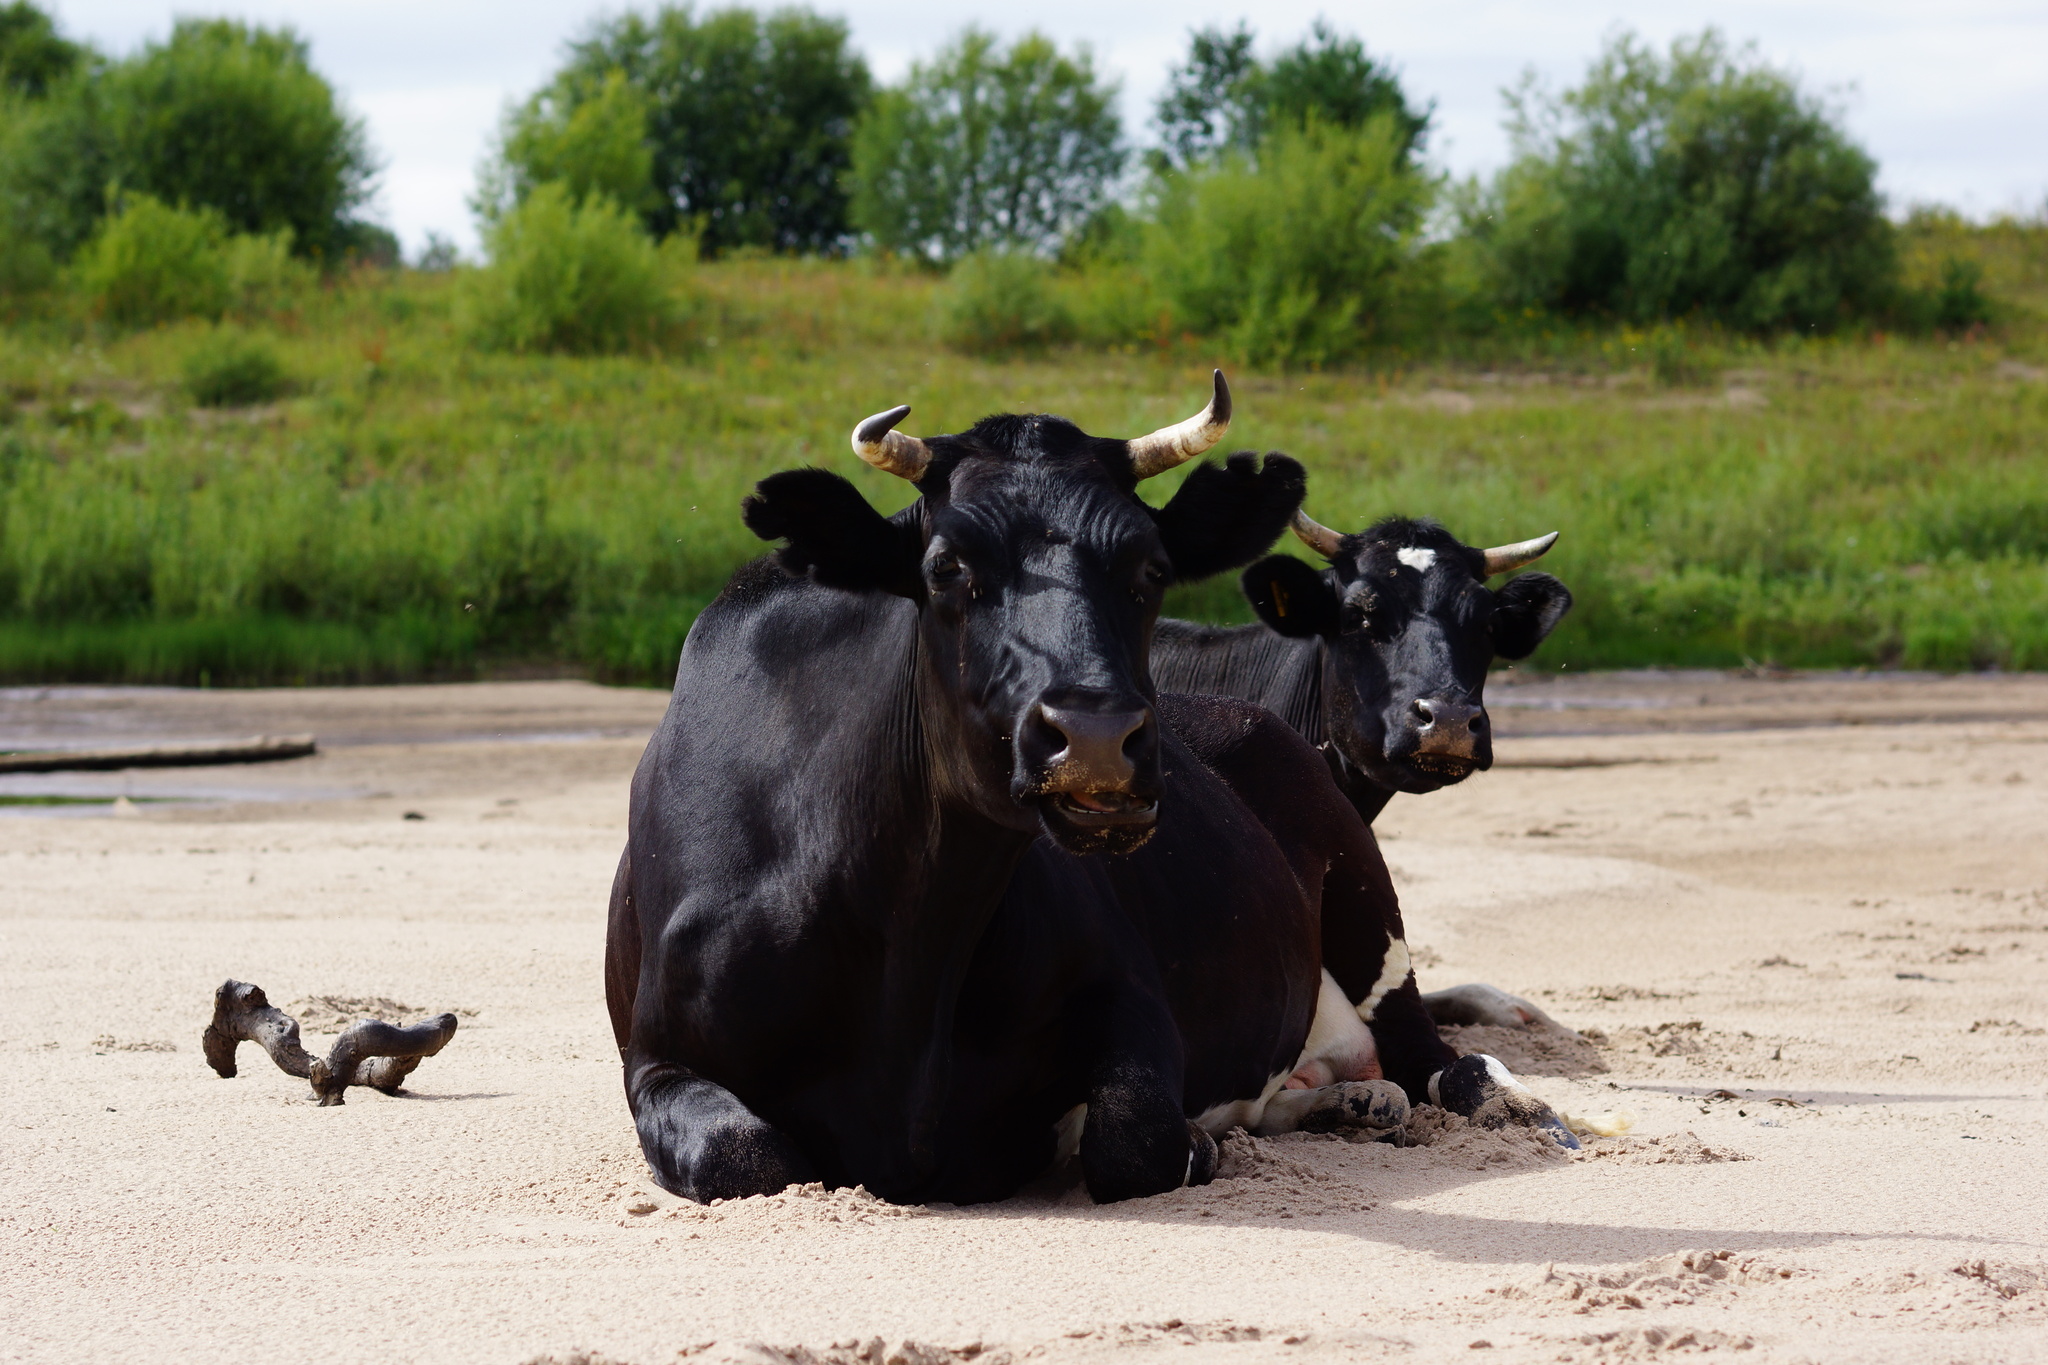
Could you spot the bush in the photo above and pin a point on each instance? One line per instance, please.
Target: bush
(152, 263)
(1293, 258)
(565, 276)
(263, 276)
(231, 369)
(1699, 184)
(1001, 301)
(983, 148)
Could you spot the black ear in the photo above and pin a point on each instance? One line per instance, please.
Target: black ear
(1524, 611)
(834, 536)
(1292, 597)
(1227, 515)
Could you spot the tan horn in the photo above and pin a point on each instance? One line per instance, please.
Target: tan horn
(1315, 535)
(891, 451)
(1181, 442)
(1508, 558)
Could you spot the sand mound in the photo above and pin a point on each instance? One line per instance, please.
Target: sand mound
(1456, 1141)
(333, 1013)
(1648, 1343)
(1533, 1050)
(1672, 1281)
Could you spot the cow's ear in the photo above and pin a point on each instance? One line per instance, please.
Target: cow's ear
(834, 537)
(1292, 597)
(1227, 515)
(1525, 609)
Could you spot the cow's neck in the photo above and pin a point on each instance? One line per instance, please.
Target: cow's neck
(1255, 663)
(1366, 796)
(957, 869)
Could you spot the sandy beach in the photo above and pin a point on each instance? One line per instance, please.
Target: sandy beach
(1797, 927)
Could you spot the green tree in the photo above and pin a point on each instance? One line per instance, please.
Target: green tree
(1702, 182)
(33, 57)
(1211, 103)
(592, 146)
(1296, 257)
(221, 116)
(746, 120)
(236, 119)
(985, 147)
(1222, 98)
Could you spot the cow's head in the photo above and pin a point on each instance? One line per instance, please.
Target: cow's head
(1038, 575)
(1410, 628)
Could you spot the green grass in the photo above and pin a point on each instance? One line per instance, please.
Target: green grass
(416, 509)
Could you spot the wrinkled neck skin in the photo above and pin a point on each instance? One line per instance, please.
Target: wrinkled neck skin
(954, 865)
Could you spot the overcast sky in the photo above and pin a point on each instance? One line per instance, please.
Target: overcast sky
(1951, 97)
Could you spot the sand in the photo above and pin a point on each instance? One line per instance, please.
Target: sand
(1797, 929)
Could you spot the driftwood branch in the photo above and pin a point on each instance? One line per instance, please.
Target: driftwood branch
(368, 1052)
(260, 749)
(379, 1055)
(242, 1013)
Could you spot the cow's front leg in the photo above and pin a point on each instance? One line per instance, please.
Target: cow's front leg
(701, 1142)
(1137, 1140)
(1378, 1107)
(1416, 1057)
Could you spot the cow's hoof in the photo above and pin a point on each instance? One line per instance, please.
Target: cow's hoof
(1377, 1105)
(1484, 1091)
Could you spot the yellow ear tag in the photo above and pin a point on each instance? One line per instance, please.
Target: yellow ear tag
(1279, 600)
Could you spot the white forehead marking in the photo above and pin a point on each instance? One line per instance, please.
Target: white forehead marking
(1418, 560)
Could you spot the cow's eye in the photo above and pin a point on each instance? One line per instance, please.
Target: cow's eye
(1150, 580)
(944, 568)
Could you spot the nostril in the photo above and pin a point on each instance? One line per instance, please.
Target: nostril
(1477, 722)
(1134, 742)
(1425, 711)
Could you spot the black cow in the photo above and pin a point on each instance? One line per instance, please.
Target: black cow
(1381, 657)
(838, 947)
(1380, 660)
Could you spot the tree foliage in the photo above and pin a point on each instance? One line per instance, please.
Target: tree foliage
(222, 116)
(1702, 182)
(1295, 257)
(987, 147)
(33, 57)
(744, 121)
(1222, 98)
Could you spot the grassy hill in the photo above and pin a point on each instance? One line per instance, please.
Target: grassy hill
(412, 508)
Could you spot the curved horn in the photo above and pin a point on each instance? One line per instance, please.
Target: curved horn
(1508, 558)
(1315, 535)
(1181, 442)
(891, 451)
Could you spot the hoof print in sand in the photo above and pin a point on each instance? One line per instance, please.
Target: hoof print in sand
(368, 1052)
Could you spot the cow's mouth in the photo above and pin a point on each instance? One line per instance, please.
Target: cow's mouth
(1445, 768)
(1100, 809)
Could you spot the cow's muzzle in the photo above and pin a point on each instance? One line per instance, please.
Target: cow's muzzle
(1092, 757)
(1452, 738)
